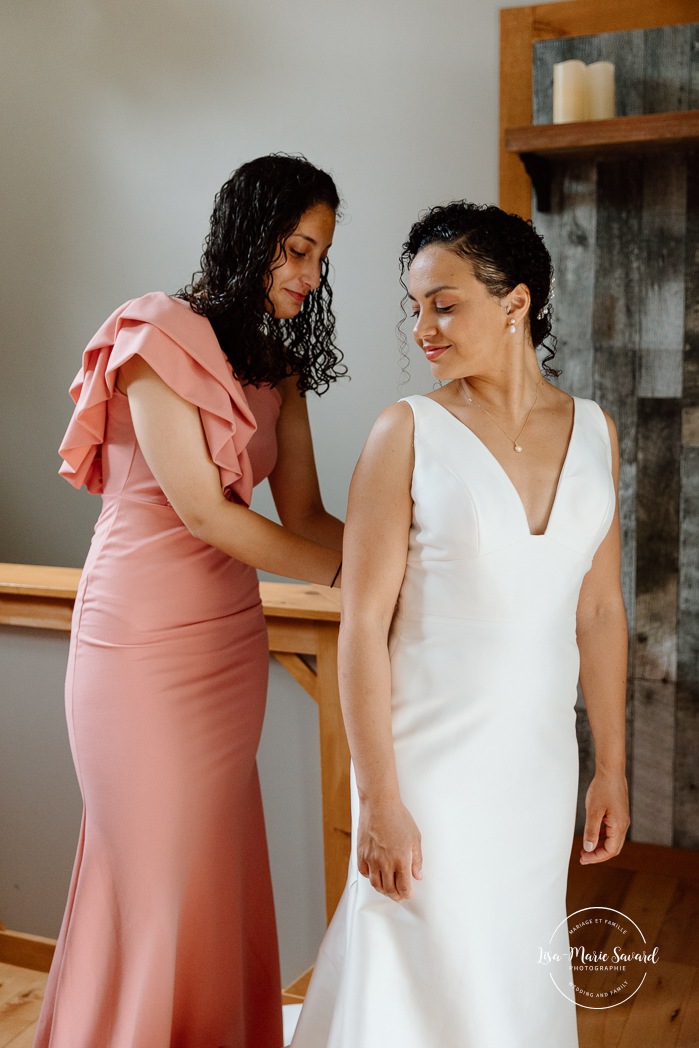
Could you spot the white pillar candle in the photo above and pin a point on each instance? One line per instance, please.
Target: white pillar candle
(600, 91)
(569, 91)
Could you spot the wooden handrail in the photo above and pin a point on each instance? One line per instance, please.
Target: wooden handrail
(42, 596)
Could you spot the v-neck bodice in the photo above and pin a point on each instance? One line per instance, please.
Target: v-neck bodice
(506, 476)
(471, 551)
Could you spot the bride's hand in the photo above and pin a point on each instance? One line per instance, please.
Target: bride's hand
(389, 851)
(607, 806)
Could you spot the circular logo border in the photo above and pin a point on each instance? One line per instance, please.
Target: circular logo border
(592, 1007)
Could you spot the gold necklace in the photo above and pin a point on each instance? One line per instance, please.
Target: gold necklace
(516, 446)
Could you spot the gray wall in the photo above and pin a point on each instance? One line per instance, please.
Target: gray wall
(119, 122)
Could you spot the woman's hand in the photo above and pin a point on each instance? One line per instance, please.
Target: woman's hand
(389, 850)
(607, 809)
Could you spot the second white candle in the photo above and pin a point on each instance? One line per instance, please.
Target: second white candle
(600, 91)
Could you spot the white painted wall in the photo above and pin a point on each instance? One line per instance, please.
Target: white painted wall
(120, 120)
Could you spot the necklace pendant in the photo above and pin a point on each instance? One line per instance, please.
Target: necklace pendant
(517, 448)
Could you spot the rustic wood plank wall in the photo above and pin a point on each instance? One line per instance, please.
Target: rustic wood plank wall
(624, 237)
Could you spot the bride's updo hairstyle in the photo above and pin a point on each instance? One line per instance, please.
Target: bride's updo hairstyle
(504, 251)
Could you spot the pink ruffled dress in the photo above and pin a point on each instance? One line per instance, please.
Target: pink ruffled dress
(169, 937)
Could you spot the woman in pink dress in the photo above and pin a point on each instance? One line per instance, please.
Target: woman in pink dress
(182, 405)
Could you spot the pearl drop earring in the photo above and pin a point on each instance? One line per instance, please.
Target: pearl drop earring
(512, 325)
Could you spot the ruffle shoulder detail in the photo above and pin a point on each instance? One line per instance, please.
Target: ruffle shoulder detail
(182, 349)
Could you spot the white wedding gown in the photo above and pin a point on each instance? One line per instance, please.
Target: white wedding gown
(484, 669)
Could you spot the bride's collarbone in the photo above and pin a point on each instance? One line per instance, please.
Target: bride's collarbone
(535, 471)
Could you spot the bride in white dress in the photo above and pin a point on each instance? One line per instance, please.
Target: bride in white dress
(481, 581)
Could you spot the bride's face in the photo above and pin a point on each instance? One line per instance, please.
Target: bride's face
(459, 325)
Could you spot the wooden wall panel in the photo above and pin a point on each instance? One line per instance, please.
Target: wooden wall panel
(616, 334)
(619, 257)
(666, 69)
(688, 604)
(615, 385)
(587, 758)
(570, 230)
(686, 828)
(624, 237)
(693, 99)
(652, 782)
(657, 542)
(655, 662)
(662, 296)
(686, 769)
(626, 51)
(690, 385)
(686, 800)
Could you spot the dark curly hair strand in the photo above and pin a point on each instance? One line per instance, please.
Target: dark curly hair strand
(504, 250)
(254, 213)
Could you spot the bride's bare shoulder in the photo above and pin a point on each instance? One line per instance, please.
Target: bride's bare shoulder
(395, 421)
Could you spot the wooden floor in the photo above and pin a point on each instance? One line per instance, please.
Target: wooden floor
(657, 887)
(21, 993)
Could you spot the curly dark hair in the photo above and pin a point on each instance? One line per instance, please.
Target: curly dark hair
(504, 250)
(255, 212)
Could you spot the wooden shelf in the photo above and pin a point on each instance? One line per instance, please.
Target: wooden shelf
(522, 27)
(623, 133)
(538, 145)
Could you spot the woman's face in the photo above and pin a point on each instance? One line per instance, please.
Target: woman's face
(459, 325)
(299, 273)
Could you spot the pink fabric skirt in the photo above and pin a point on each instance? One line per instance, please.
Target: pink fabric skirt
(169, 938)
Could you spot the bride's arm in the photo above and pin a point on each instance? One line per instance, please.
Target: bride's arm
(375, 552)
(602, 640)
